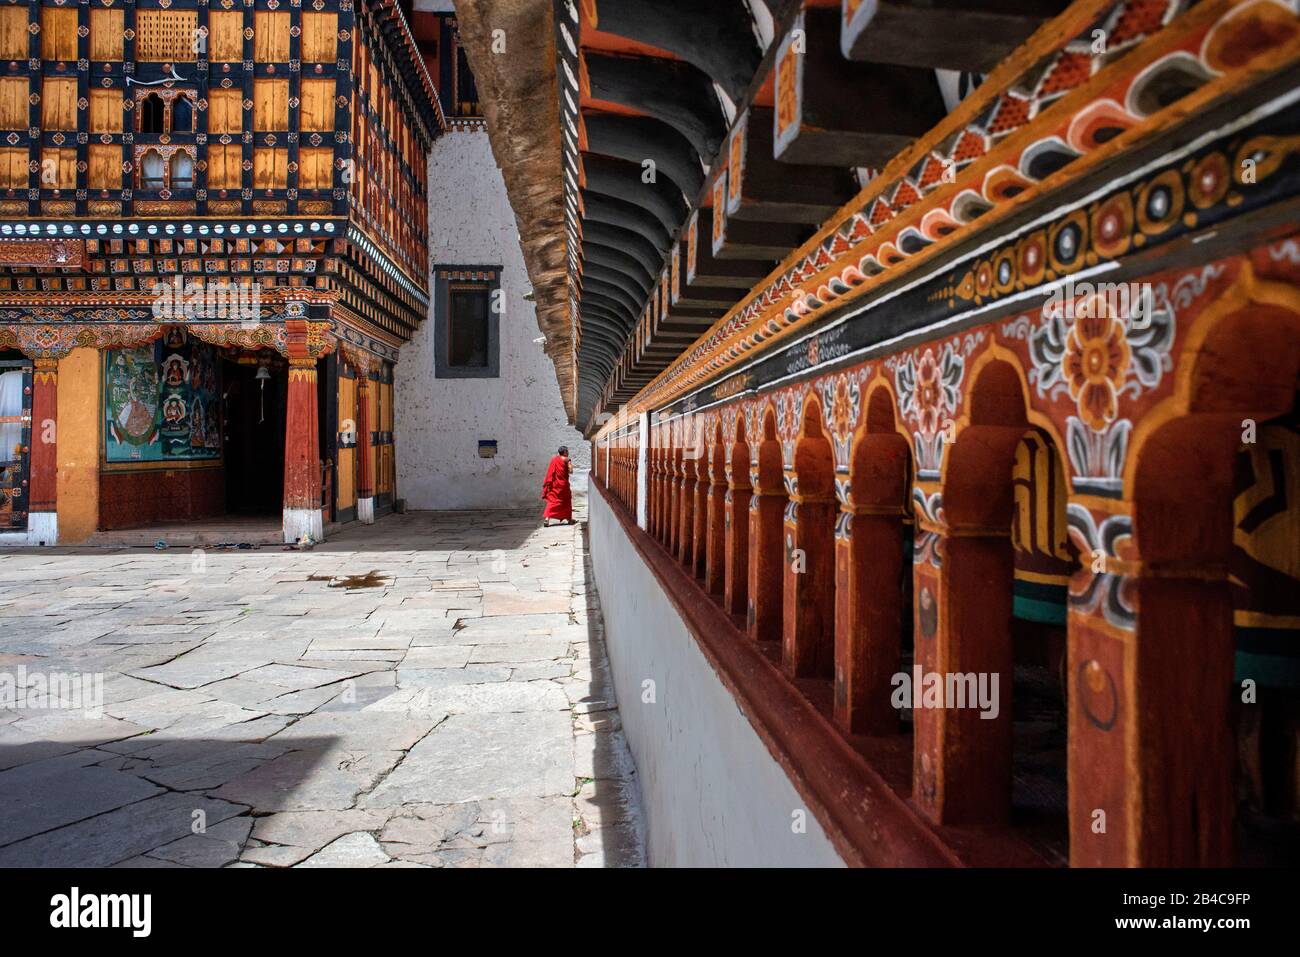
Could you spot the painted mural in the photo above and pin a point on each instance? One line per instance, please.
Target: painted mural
(162, 401)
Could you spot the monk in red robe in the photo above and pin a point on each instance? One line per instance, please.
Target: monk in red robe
(555, 489)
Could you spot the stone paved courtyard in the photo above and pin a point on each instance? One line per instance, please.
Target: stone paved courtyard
(427, 691)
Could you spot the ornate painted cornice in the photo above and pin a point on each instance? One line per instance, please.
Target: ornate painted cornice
(1037, 127)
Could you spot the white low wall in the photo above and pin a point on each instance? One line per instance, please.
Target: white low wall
(711, 793)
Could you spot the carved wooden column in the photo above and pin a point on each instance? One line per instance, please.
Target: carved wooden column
(715, 524)
(766, 550)
(1151, 749)
(962, 764)
(686, 532)
(302, 514)
(808, 632)
(43, 485)
(868, 617)
(700, 510)
(735, 585)
(674, 507)
(869, 598)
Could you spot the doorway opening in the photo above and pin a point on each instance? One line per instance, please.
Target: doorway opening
(255, 401)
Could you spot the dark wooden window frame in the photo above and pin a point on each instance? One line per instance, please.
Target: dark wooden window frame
(446, 279)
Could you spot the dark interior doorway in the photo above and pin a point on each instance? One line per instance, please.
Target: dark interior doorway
(254, 435)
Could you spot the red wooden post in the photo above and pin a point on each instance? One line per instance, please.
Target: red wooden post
(686, 533)
(715, 525)
(962, 764)
(43, 485)
(868, 619)
(700, 509)
(735, 585)
(672, 533)
(766, 548)
(302, 454)
(365, 468)
(808, 632)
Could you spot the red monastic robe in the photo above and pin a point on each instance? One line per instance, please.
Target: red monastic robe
(555, 490)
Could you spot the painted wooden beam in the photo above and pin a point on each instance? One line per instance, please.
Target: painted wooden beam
(672, 91)
(614, 258)
(820, 117)
(622, 180)
(761, 189)
(658, 149)
(716, 36)
(703, 268)
(626, 241)
(971, 35)
(597, 207)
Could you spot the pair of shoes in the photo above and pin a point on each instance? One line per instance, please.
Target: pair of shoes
(546, 523)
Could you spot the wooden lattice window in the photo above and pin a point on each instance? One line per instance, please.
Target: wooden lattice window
(225, 111)
(225, 166)
(270, 105)
(182, 170)
(271, 36)
(105, 111)
(13, 33)
(319, 37)
(225, 36)
(317, 105)
(14, 91)
(58, 33)
(106, 34)
(104, 165)
(165, 36)
(153, 169)
(315, 168)
(58, 168)
(151, 114)
(270, 168)
(59, 103)
(13, 167)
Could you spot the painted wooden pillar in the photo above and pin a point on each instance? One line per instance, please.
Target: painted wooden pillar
(686, 532)
(652, 490)
(735, 584)
(868, 617)
(1152, 751)
(715, 525)
(674, 510)
(302, 454)
(662, 485)
(962, 757)
(808, 626)
(766, 515)
(42, 486)
(365, 468)
(700, 511)
(665, 494)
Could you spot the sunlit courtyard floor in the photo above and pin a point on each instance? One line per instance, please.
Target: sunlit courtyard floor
(430, 690)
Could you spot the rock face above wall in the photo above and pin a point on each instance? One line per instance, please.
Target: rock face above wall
(441, 421)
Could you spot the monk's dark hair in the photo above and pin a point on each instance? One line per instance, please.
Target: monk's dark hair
(564, 450)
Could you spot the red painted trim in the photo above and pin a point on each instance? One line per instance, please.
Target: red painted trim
(866, 820)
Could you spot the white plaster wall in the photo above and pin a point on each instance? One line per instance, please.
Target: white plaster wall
(711, 793)
(439, 422)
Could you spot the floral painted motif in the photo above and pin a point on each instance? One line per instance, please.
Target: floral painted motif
(1095, 364)
(1097, 542)
(929, 394)
(1101, 357)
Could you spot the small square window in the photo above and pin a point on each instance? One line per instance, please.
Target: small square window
(467, 327)
(467, 321)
